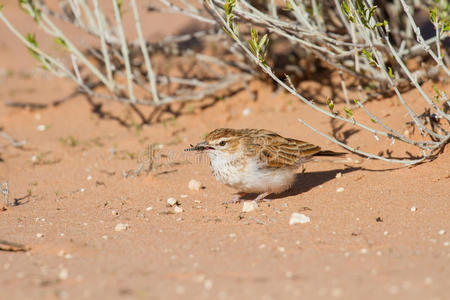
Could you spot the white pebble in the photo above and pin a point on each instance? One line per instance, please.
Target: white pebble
(232, 235)
(297, 218)
(446, 244)
(441, 232)
(82, 190)
(208, 284)
(339, 190)
(249, 206)
(105, 237)
(121, 227)
(177, 209)
(194, 185)
(281, 249)
(149, 208)
(89, 177)
(183, 196)
(364, 250)
(63, 274)
(246, 112)
(41, 128)
(171, 201)
(39, 235)
(413, 208)
(339, 175)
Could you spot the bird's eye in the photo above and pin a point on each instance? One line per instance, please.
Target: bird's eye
(222, 143)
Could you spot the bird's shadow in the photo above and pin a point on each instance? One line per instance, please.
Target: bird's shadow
(304, 182)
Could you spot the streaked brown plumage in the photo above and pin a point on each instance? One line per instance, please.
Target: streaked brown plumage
(256, 160)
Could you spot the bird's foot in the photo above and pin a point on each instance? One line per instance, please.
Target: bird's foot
(236, 198)
(261, 197)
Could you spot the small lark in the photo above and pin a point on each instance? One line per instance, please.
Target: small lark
(256, 160)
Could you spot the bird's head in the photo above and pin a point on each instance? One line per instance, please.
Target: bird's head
(219, 142)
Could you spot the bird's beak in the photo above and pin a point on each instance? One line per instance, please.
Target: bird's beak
(199, 147)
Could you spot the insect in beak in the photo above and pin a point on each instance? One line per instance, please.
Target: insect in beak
(199, 147)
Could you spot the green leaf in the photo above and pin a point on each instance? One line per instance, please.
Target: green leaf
(356, 101)
(373, 121)
(1, 7)
(330, 104)
(349, 112)
(390, 72)
(61, 42)
(289, 5)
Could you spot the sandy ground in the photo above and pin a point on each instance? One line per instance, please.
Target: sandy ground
(385, 236)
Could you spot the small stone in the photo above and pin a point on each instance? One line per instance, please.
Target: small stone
(183, 196)
(446, 244)
(39, 235)
(339, 175)
(246, 112)
(177, 209)
(41, 128)
(232, 235)
(82, 190)
(105, 237)
(194, 185)
(441, 232)
(89, 177)
(208, 284)
(281, 249)
(171, 201)
(249, 206)
(149, 208)
(364, 251)
(297, 218)
(121, 227)
(413, 208)
(339, 190)
(262, 246)
(63, 274)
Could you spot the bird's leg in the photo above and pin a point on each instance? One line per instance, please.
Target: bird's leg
(236, 198)
(261, 197)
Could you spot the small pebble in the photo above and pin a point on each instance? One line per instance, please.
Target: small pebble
(177, 209)
(41, 128)
(364, 250)
(39, 235)
(149, 208)
(413, 208)
(339, 175)
(183, 196)
(446, 244)
(208, 284)
(121, 227)
(246, 112)
(441, 232)
(249, 206)
(297, 218)
(89, 177)
(63, 274)
(194, 185)
(340, 190)
(281, 249)
(232, 235)
(82, 190)
(171, 201)
(105, 237)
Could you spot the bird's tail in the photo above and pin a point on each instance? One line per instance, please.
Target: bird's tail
(329, 153)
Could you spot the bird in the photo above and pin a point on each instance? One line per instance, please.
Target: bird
(256, 161)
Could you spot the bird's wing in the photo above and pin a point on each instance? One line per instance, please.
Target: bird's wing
(275, 151)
